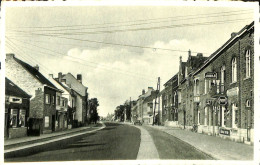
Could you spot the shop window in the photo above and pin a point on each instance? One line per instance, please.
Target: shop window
(234, 116)
(234, 70)
(13, 117)
(46, 121)
(22, 118)
(248, 58)
(47, 99)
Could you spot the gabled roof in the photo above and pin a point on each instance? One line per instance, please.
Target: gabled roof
(171, 79)
(37, 75)
(13, 90)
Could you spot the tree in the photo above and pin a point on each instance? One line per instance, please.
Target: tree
(94, 117)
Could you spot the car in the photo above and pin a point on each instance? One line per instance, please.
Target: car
(138, 122)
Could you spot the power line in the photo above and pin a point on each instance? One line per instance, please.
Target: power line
(180, 16)
(122, 72)
(144, 23)
(140, 29)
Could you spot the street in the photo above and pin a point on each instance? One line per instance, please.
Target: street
(115, 142)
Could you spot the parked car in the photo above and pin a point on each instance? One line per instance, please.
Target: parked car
(138, 122)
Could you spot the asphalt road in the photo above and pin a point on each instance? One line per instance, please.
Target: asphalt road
(115, 142)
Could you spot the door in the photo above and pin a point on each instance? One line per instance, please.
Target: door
(53, 123)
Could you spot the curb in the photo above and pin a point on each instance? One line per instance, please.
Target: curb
(8, 146)
(45, 145)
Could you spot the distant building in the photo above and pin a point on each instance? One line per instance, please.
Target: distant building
(17, 103)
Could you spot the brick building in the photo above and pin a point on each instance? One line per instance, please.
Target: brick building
(225, 85)
(170, 102)
(17, 103)
(186, 102)
(42, 104)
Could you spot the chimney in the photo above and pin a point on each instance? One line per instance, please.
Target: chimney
(199, 55)
(9, 55)
(143, 92)
(79, 78)
(59, 76)
(36, 67)
(50, 75)
(233, 34)
(189, 52)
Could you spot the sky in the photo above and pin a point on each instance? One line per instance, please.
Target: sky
(119, 50)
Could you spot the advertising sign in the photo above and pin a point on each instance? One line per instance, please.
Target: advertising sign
(224, 131)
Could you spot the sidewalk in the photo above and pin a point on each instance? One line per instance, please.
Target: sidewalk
(16, 142)
(215, 146)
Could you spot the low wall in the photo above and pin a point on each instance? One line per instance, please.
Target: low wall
(17, 132)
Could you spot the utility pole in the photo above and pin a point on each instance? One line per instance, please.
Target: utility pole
(155, 102)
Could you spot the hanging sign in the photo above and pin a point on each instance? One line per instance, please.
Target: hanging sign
(222, 100)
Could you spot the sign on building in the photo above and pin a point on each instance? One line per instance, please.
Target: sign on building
(224, 131)
(211, 75)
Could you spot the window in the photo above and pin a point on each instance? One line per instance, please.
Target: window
(22, 117)
(179, 99)
(248, 103)
(46, 121)
(248, 58)
(13, 117)
(53, 100)
(206, 87)
(58, 100)
(198, 117)
(234, 70)
(197, 87)
(206, 116)
(234, 116)
(47, 99)
(222, 78)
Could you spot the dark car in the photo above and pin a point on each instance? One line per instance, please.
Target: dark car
(138, 122)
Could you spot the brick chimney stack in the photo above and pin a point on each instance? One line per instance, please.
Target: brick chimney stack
(143, 92)
(79, 78)
(37, 67)
(59, 76)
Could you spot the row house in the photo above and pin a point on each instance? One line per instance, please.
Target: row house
(186, 100)
(17, 103)
(144, 106)
(81, 114)
(170, 102)
(71, 96)
(223, 89)
(42, 111)
(61, 105)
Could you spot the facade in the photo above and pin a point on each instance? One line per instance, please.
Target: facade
(61, 105)
(170, 102)
(226, 84)
(186, 102)
(17, 103)
(42, 116)
(145, 106)
(82, 96)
